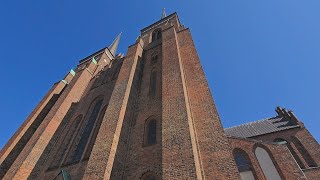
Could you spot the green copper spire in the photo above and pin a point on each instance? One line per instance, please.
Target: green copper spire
(113, 47)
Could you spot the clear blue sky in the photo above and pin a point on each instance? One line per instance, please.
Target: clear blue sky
(256, 54)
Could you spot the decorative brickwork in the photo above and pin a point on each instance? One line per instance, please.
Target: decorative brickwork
(150, 115)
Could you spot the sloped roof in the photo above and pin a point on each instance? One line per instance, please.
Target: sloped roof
(261, 127)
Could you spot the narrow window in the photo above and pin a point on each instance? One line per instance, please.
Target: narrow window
(67, 138)
(95, 133)
(292, 151)
(156, 35)
(304, 153)
(266, 164)
(151, 132)
(87, 131)
(244, 165)
(154, 58)
(159, 34)
(153, 83)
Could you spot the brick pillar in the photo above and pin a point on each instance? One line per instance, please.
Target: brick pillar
(28, 158)
(103, 154)
(177, 150)
(211, 146)
(17, 142)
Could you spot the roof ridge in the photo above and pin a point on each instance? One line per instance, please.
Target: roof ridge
(252, 122)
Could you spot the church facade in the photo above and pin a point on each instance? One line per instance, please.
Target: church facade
(150, 115)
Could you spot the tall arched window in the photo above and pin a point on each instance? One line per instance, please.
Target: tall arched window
(156, 35)
(304, 153)
(67, 138)
(150, 132)
(243, 164)
(292, 151)
(95, 132)
(149, 176)
(266, 164)
(87, 131)
(153, 83)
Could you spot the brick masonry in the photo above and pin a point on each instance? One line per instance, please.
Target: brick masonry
(159, 80)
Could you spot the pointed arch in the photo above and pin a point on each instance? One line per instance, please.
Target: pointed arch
(150, 131)
(304, 153)
(82, 136)
(156, 35)
(267, 164)
(244, 164)
(292, 151)
(67, 139)
(95, 132)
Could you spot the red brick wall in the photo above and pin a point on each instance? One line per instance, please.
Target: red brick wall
(281, 156)
(309, 150)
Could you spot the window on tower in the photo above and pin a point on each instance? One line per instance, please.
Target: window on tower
(154, 58)
(150, 132)
(156, 35)
(153, 83)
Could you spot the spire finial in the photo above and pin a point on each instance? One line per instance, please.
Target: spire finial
(163, 13)
(113, 47)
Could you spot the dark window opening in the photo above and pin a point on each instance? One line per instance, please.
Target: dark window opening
(152, 132)
(242, 162)
(87, 132)
(156, 35)
(153, 83)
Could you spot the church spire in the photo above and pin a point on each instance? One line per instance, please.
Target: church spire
(113, 47)
(163, 13)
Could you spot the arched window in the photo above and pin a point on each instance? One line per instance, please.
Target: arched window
(292, 151)
(153, 83)
(154, 58)
(67, 138)
(243, 164)
(87, 131)
(150, 132)
(95, 132)
(266, 164)
(156, 35)
(304, 153)
(149, 176)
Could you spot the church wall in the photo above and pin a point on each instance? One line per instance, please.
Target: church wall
(104, 91)
(210, 144)
(308, 154)
(279, 153)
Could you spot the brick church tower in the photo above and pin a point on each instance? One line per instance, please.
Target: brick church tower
(146, 115)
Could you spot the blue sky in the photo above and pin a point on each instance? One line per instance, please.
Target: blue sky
(256, 54)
